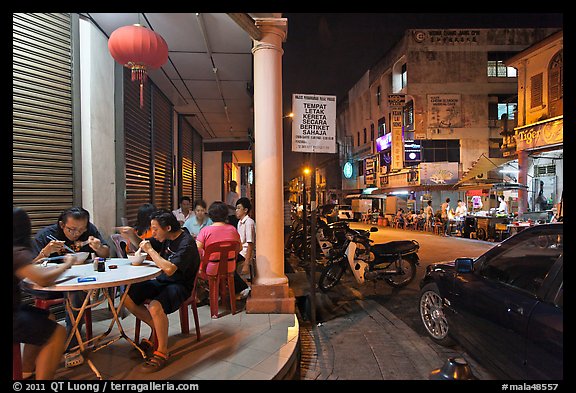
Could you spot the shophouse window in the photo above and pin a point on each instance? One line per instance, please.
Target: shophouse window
(408, 116)
(441, 150)
(371, 132)
(404, 76)
(358, 139)
(556, 85)
(364, 135)
(381, 126)
(496, 66)
(361, 168)
(499, 105)
(536, 90)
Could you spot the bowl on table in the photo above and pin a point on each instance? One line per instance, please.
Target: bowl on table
(80, 257)
(137, 259)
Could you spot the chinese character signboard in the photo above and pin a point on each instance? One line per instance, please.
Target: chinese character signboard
(314, 123)
(395, 101)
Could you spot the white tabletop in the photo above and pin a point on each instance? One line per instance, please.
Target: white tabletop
(124, 274)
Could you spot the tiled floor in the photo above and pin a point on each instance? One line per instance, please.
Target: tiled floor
(233, 347)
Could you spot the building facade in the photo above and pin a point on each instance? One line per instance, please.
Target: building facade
(431, 110)
(538, 138)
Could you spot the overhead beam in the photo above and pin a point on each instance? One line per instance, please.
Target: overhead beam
(247, 24)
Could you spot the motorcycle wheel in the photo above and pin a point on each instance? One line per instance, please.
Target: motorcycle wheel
(330, 276)
(406, 275)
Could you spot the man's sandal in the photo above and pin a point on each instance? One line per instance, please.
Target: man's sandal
(154, 363)
(73, 359)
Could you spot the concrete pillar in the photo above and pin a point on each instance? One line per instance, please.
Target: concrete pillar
(270, 292)
(522, 179)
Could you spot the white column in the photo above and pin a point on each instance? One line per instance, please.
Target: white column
(270, 292)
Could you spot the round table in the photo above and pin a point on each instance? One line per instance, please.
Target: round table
(124, 274)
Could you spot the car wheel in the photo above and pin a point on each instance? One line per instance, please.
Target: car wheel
(433, 317)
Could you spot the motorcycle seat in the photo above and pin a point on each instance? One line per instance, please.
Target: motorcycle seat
(395, 247)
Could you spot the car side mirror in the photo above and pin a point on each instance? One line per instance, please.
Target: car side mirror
(373, 229)
(464, 265)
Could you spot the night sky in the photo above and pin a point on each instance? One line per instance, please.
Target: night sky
(328, 53)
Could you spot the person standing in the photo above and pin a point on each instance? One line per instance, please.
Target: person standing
(174, 251)
(231, 199)
(444, 215)
(460, 215)
(183, 212)
(247, 231)
(199, 220)
(72, 230)
(42, 336)
(429, 215)
(503, 207)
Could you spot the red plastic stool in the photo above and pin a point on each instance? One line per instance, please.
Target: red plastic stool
(46, 303)
(16, 362)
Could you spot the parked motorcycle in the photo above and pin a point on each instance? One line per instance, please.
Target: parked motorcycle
(394, 262)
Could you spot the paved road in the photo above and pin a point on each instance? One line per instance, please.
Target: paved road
(373, 332)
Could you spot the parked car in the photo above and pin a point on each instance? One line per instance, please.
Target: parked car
(345, 212)
(504, 307)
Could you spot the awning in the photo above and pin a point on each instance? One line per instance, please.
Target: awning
(481, 165)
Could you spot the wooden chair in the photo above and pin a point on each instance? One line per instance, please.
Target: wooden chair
(183, 310)
(218, 267)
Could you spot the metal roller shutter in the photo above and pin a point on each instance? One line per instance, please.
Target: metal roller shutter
(197, 164)
(138, 146)
(186, 163)
(162, 150)
(42, 116)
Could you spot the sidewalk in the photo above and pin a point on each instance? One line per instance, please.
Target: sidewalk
(370, 343)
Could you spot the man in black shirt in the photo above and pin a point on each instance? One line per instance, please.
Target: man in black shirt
(72, 229)
(174, 251)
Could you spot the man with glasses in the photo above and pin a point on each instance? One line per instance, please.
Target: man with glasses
(72, 231)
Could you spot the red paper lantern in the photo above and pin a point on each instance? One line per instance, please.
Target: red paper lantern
(139, 49)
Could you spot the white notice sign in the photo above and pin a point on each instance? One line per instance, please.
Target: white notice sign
(314, 123)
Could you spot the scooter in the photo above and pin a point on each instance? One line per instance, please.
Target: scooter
(394, 262)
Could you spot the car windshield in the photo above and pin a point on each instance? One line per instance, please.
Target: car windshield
(344, 207)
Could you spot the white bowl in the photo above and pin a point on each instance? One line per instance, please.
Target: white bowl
(80, 257)
(137, 259)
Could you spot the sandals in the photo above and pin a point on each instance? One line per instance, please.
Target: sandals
(73, 359)
(154, 363)
(146, 346)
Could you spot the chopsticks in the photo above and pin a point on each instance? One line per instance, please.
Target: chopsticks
(65, 246)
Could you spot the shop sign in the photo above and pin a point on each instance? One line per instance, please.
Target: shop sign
(438, 173)
(540, 135)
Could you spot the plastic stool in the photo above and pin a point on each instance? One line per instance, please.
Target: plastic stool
(45, 304)
(16, 362)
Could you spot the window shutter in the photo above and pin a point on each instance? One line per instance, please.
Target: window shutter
(536, 91)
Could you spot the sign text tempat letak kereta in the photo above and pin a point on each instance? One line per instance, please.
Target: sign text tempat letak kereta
(314, 123)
